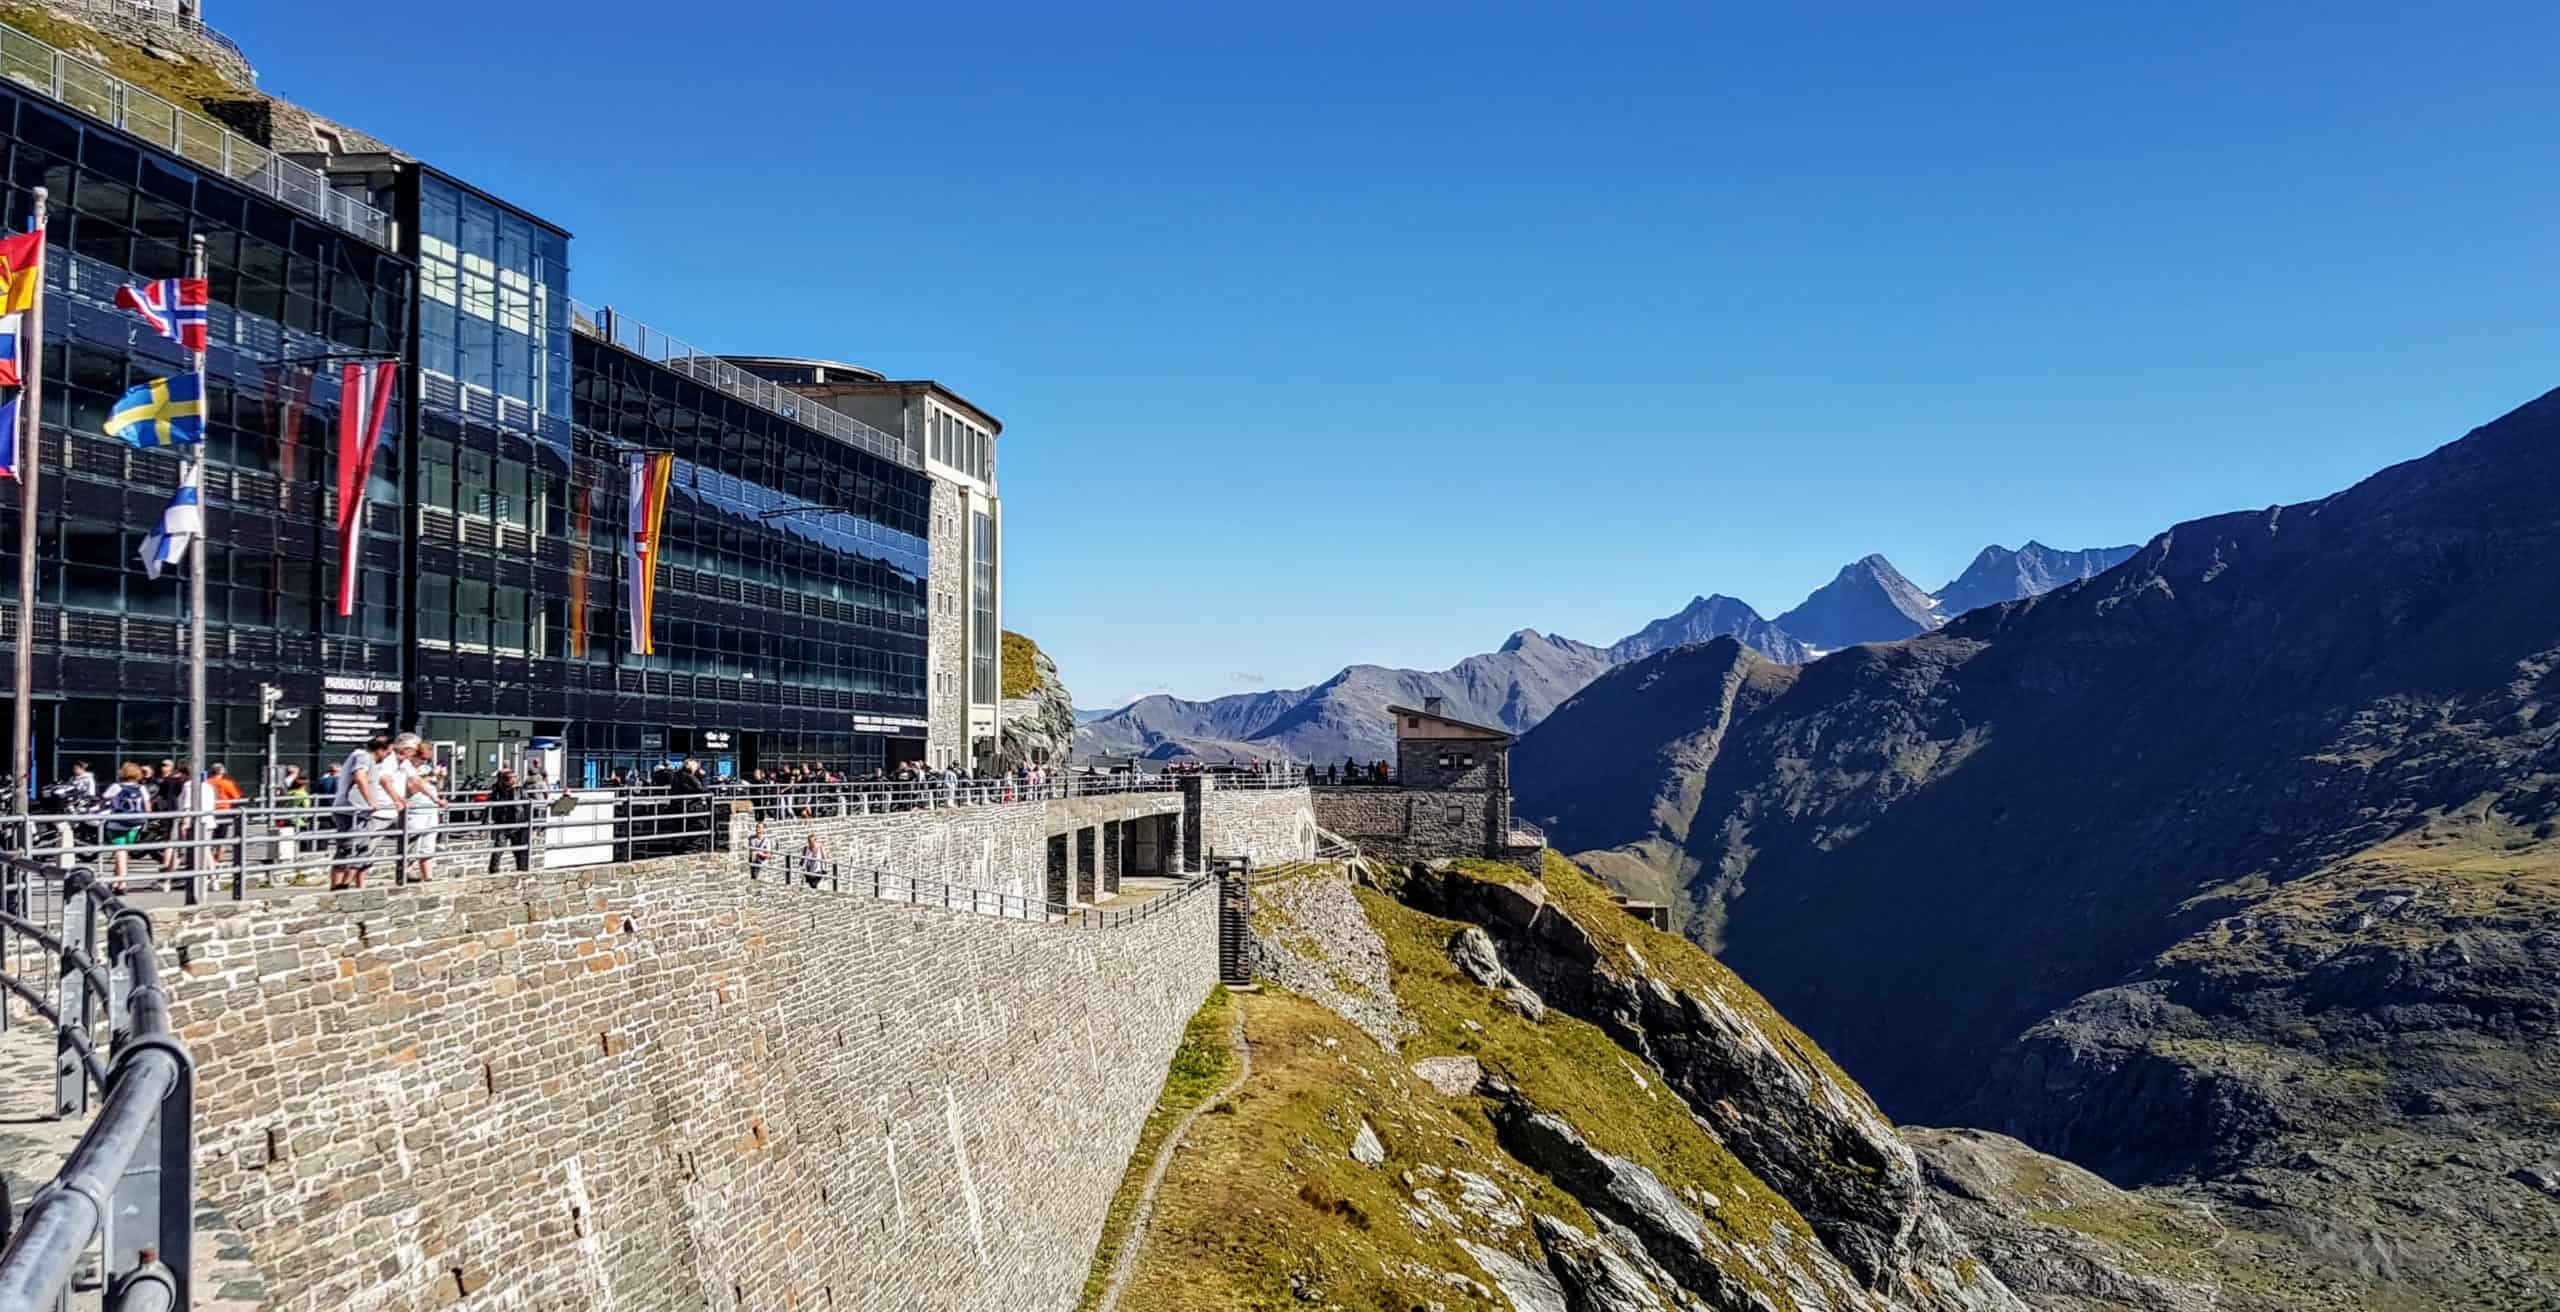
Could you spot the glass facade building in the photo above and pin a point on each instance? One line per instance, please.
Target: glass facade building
(793, 619)
(791, 612)
(290, 294)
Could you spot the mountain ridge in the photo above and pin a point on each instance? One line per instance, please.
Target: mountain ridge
(2175, 870)
(1516, 685)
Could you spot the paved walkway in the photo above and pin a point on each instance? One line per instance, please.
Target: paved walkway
(33, 1144)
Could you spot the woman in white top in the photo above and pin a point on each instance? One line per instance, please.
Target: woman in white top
(422, 804)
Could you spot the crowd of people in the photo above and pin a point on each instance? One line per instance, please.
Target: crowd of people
(391, 800)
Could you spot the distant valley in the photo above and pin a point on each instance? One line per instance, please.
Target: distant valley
(1531, 673)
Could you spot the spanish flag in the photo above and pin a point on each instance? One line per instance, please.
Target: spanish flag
(649, 475)
(21, 277)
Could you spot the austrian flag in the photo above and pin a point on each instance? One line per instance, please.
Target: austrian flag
(173, 306)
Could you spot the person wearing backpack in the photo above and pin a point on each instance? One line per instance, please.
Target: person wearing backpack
(128, 810)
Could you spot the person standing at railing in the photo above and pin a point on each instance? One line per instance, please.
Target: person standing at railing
(224, 825)
(423, 804)
(813, 860)
(510, 817)
(759, 852)
(366, 807)
(128, 809)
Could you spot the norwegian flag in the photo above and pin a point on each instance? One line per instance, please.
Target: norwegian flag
(364, 397)
(173, 306)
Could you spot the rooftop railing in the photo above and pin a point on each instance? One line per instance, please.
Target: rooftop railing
(161, 14)
(606, 324)
(91, 89)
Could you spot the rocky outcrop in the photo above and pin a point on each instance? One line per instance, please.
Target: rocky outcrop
(1310, 937)
(2016, 1208)
(1803, 1129)
(1039, 715)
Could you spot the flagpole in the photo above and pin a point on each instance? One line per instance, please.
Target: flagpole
(22, 716)
(196, 563)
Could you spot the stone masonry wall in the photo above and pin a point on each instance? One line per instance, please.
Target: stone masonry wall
(1401, 824)
(660, 1086)
(946, 644)
(1271, 825)
(998, 847)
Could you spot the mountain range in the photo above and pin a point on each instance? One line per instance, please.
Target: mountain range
(2231, 873)
(1516, 685)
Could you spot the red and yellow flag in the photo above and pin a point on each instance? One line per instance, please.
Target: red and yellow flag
(21, 271)
(649, 475)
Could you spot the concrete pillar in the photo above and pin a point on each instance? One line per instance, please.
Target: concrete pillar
(1086, 843)
(1195, 792)
(1115, 853)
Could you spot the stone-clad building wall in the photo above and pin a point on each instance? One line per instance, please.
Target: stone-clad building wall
(1271, 825)
(1402, 824)
(947, 649)
(660, 1086)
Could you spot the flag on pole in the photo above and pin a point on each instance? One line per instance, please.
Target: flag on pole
(162, 412)
(165, 547)
(9, 435)
(175, 307)
(21, 278)
(581, 562)
(649, 475)
(363, 398)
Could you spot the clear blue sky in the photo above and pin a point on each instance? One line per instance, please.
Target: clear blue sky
(1374, 332)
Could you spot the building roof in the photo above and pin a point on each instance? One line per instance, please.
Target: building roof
(853, 379)
(1480, 730)
(819, 371)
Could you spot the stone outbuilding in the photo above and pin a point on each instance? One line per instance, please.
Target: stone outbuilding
(1451, 796)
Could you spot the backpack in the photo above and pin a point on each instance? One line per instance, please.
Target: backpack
(126, 799)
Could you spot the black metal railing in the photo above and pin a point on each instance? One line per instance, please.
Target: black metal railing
(127, 1189)
(233, 849)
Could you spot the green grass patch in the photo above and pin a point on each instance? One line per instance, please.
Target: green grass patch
(187, 85)
(1201, 1066)
(1021, 665)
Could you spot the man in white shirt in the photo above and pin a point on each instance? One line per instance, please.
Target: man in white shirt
(367, 805)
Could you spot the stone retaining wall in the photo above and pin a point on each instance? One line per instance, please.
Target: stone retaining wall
(1271, 825)
(659, 1086)
(1402, 824)
(999, 847)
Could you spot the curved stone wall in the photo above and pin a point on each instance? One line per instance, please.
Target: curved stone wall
(662, 1087)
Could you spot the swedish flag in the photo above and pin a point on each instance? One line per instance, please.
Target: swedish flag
(162, 412)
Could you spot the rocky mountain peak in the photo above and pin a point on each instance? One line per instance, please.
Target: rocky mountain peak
(1868, 601)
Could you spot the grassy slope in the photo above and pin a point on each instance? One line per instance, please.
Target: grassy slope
(1265, 1191)
(1021, 672)
(188, 85)
(1201, 1065)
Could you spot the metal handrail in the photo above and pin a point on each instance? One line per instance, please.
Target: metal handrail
(88, 87)
(200, 850)
(128, 1184)
(1523, 829)
(160, 15)
(609, 325)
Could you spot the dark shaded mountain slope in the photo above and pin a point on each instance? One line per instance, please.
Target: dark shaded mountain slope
(2108, 845)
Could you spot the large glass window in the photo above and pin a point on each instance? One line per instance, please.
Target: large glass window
(982, 608)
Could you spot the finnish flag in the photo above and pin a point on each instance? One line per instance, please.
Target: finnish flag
(179, 526)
